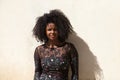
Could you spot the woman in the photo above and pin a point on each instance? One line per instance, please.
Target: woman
(55, 55)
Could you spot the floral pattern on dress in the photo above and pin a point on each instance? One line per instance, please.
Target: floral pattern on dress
(53, 63)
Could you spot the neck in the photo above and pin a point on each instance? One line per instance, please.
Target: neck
(53, 44)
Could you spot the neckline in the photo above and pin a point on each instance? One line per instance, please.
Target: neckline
(57, 46)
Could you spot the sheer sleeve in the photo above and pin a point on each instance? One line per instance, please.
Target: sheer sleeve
(74, 62)
(38, 68)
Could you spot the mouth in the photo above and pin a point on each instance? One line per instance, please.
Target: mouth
(52, 36)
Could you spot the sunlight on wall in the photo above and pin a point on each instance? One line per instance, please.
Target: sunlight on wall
(95, 22)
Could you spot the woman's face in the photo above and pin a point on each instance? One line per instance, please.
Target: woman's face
(51, 32)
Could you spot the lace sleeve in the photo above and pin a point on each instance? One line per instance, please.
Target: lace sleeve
(38, 68)
(74, 62)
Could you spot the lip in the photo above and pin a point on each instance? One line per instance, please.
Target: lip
(52, 36)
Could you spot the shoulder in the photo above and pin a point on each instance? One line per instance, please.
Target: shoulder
(72, 49)
(70, 44)
(39, 47)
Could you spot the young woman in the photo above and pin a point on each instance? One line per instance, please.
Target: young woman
(55, 55)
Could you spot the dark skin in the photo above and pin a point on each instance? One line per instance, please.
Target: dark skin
(52, 35)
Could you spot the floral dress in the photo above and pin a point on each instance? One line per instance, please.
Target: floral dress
(53, 63)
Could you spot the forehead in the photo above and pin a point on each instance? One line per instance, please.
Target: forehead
(50, 25)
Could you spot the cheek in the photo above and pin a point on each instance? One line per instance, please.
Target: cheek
(47, 33)
(57, 33)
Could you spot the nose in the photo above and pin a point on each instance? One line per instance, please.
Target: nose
(52, 31)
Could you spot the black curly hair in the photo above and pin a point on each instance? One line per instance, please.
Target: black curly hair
(57, 17)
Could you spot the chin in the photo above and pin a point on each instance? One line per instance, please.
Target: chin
(52, 39)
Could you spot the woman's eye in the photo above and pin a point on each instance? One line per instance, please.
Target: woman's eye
(52, 29)
(49, 29)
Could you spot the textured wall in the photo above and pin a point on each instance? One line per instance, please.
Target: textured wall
(96, 22)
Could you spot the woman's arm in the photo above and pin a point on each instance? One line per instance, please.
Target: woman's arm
(74, 62)
(38, 68)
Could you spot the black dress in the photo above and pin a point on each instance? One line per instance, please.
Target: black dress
(53, 63)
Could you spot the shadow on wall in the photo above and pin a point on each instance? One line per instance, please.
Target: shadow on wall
(88, 65)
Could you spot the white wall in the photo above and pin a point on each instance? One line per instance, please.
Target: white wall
(96, 22)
